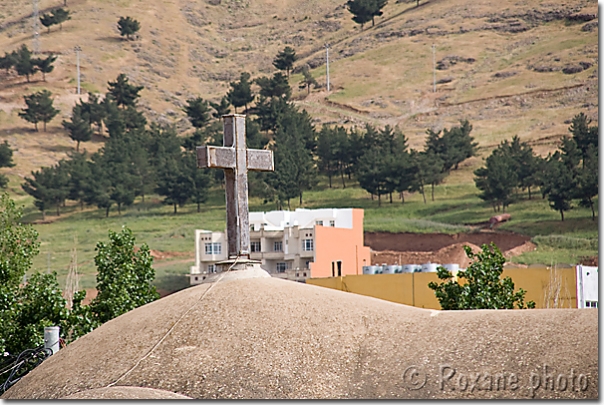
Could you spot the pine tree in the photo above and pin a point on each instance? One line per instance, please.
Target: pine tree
(175, 182)
(559, 184)
(198, 112)
(23, 62)
(326, 154)
(222, 108)
(240, 93)
(277, 86)
(498, 179)
(123, 93)
(308, 80)
(39, 108)
(6, 160)
(583, 134)
(8, 61)
(79, 130)
(44, 65)
(60, 15)
(47, 20)
(285, 59)
(128, 26)
(362, 10)
(79, 171)
(587, 181)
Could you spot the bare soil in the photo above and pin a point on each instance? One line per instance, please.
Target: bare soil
(411, 248)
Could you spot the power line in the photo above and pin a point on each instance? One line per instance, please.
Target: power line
(327, 64)
(77, 50)
(36, 44)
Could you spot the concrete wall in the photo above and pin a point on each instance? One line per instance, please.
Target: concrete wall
(549, 288)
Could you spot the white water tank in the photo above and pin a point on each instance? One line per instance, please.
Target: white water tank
(372, 269)
(411, 268)
(429, 267)
(392, 269)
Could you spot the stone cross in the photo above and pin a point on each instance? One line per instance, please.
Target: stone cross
(236, 160)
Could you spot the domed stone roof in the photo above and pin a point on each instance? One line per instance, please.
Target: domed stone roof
(271, 338)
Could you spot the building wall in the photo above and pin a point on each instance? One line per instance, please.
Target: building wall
(587, 286)
(340, 244)
(549, 288)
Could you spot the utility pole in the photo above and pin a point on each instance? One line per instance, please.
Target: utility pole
(78, 49)
(327, 64)
(36, 22)
(433, 68)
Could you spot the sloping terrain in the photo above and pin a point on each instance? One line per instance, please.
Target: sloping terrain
(511, 68)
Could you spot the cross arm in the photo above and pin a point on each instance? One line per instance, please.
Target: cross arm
(219, 157)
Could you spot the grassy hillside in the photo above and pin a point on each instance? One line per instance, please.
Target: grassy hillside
(500, 65)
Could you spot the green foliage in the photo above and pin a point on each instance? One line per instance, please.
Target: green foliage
(60, 15)
(285, 59)
(123, 93)
(428, 170)
(222, 108)
(79, 130)
(47, 20)
(124, 276)
(6, 160)
(198, 112)
(49, 185)
(23, 63)
(583, 134)
(44, 65)
(454, 146)
(39, 108)
(128, 26)
(277, 86)
(240, 93)
(483, 287)
(362, 10)
(308, 79)
(8, 61)
(498, 179)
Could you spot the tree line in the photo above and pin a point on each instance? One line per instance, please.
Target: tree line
(570, 173)
(23, 63)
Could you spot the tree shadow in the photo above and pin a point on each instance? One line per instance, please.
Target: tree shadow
(111, 39)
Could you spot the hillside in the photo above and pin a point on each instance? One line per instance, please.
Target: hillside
(501, 64)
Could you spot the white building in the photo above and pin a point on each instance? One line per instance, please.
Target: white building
(285, 242)
(587, 287)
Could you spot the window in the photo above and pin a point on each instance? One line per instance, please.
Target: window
(319, 223)
(591, 304)
(281, 267)
(211, 268)
(332, 223)
(255, 246)
(213, 248)
(304, 274)
(278, 246)
(307, 245)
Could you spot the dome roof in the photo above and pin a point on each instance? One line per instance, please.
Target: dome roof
(271, 338)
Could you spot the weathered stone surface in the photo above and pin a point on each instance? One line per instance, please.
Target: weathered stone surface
(271, 338)
(125, 393)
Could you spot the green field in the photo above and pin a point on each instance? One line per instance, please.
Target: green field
(456, 208)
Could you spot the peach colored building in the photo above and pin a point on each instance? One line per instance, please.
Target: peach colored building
(294, 245)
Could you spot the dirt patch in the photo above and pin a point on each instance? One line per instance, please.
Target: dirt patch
(159, 255)
(431, 242)
(410, 248)
(589, 261)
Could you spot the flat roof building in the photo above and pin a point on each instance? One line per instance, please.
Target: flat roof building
(294, 245)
